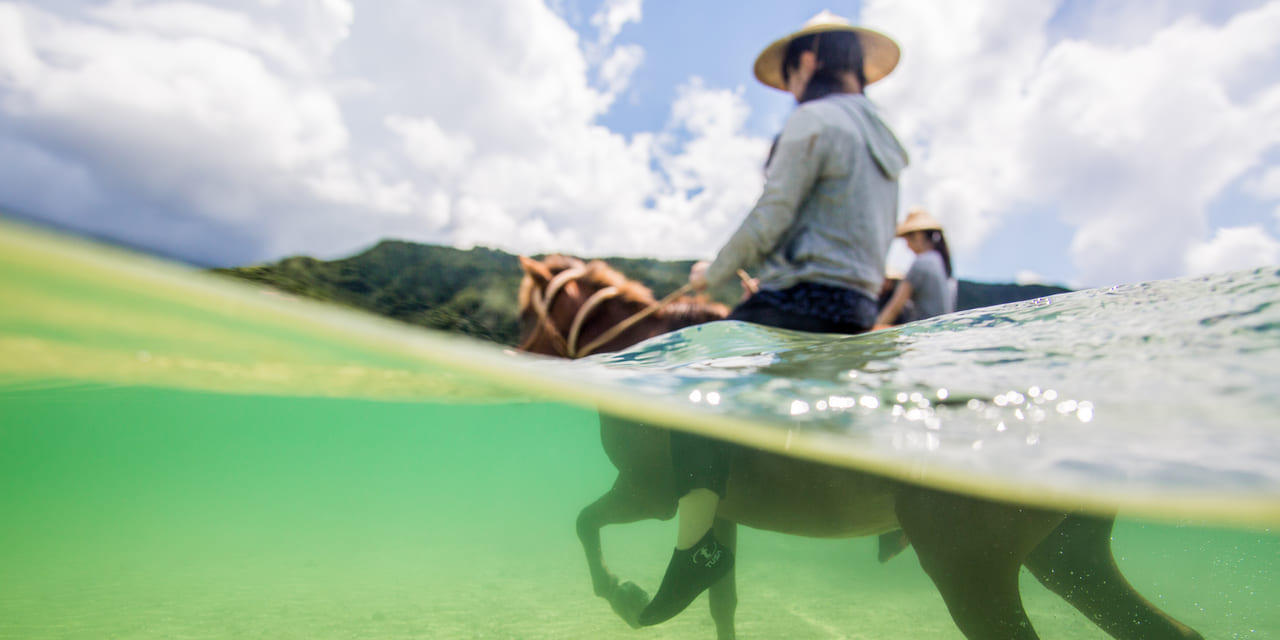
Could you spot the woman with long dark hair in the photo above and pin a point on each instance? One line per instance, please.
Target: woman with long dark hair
(929, 285)
(817, 240)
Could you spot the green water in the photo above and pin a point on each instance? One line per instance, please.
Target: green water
(151, 513)
(1158, 398)
(182, 457)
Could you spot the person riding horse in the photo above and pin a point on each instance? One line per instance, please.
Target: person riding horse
(817, 239)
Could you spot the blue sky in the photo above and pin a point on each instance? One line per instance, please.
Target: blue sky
(1081, 142)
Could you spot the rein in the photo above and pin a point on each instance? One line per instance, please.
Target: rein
(568, 347)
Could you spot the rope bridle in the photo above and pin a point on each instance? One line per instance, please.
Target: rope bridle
(568, 346)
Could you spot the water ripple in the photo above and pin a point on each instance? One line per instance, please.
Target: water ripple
(1145, 386)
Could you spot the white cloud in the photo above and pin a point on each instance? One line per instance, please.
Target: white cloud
(617, 69)
(1233, 249)
(432, 149)
(613, 15)
(1129, 143)
(1025, 277)
(520, 162)
(477, 123)
(615, 64)
(501, 130)
(167, 111)
(290, 34)
(712, 179)
(600, 194)
(469, 126)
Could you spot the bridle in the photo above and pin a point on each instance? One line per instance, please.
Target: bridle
(567, 346)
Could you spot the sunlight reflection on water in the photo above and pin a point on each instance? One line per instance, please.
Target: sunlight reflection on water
(1154, 385)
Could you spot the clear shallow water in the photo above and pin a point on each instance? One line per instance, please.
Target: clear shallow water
(181, 457)
(135, 512)
(1160, 396)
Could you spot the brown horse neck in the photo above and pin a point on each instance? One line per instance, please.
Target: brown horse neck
(687, 312)
(675, 315)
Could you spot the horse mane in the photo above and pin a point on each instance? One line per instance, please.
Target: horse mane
(680, 313)
(688, 311)
(600, 274)
(683, 312)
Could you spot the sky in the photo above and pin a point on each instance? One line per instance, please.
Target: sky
(1078, 142)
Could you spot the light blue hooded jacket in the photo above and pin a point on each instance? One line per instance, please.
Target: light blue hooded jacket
(830, 202)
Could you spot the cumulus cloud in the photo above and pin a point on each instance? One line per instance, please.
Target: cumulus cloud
(1125, 140)
(616, 70)
(297, 126)
(616, 64)
(614, 15)
(175, 114)
(713, 177)
(464, 125)
(673, 194)
(1233, 249)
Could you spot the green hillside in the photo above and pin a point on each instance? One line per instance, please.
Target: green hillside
(473, 291)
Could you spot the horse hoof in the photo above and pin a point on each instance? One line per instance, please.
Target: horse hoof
(628, 601)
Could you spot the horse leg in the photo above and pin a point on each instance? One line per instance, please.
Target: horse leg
(723, 595)
(1076, 563)
(891, 544)
(617, 506)
(972, 549)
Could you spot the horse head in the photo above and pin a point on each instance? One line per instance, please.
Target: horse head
(569, 308)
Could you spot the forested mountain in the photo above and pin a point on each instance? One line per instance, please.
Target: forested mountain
(474, 291)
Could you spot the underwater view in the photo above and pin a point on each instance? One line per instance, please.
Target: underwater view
(183, 456)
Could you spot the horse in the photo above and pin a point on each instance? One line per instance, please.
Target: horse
(971, 548)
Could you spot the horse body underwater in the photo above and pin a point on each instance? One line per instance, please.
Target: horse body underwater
(971, 548)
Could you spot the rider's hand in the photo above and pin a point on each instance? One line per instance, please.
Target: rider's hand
(698, 275)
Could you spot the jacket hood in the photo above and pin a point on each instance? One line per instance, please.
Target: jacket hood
(889, 154)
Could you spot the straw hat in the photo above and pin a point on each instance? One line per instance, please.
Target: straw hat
(918, 220)
(879, 52)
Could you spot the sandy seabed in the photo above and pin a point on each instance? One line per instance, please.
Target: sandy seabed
(790, 588)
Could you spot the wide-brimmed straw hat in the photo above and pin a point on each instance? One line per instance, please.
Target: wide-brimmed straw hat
(918, 220)
(880, 53)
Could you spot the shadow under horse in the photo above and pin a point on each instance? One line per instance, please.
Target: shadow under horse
(971, 548)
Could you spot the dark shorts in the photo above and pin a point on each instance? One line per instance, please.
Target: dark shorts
(810, 307)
